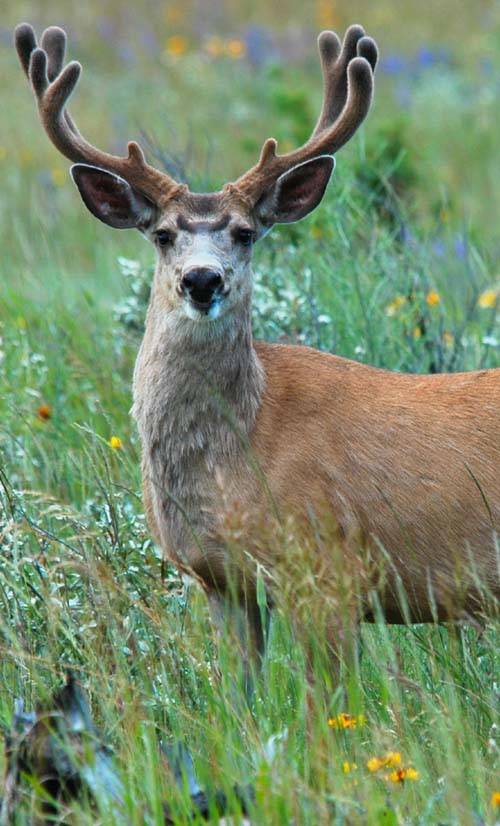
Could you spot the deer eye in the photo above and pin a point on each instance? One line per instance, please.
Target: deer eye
(243, 236)
(164, 237)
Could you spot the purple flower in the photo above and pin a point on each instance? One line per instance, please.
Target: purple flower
(106, 27)
(126, 53)
(394, 64)
(460, 247)
(438, 247)
(258, 45)
(428, 58)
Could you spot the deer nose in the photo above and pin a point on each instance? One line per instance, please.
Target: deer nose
(201, 284)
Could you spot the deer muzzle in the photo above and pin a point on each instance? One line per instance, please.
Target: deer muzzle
(202, 286)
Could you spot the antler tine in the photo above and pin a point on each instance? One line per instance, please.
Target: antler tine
(53, 85)
(334, 63)
(348, 91)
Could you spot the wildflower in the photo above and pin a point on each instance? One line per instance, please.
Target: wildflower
(432, 298)
(115, 442)
(495, 800)
(235, 49)
(173, 14)
(395, 305)
(400, 775)
(44, 412)
(214, 47)
(176, 45)
(390, 761)
(325, 15)
(343, 721)
(347, 767)
(58, 176)
(25, 156)
(487, 299)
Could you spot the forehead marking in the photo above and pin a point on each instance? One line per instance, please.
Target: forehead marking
(203, 226)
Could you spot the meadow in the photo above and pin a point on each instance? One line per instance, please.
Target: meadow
(399, 267)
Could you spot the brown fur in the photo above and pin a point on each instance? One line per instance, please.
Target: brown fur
(241, 438)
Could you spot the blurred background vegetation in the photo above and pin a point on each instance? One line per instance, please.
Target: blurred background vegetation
(163, 68)
(399, 267)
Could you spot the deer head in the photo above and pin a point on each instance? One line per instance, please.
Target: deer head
(203, 241)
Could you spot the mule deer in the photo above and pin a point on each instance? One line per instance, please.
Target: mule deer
(408, 462)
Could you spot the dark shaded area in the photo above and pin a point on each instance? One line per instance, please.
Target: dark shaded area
(60, 748)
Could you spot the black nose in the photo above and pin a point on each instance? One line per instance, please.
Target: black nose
(201, 284)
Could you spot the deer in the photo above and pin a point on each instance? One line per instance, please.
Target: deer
(407, 466)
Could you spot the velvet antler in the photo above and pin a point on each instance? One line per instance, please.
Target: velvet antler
(348, 91)
(52, 85)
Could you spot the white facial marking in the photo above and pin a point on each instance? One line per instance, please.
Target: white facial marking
(202, 255)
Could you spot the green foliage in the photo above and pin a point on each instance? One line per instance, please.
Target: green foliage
(398, 268)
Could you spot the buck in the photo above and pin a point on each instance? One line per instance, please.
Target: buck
(228, 425)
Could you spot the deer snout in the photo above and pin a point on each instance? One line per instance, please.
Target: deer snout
(201, 284)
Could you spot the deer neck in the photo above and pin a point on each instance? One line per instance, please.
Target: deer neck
(197, 390)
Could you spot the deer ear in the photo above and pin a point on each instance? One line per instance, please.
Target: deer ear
(297, 192)
(111, 198)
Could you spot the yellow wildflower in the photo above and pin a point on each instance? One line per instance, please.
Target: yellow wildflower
(215, 47)
(343, 721)
(326, 16)
(390, 761)
(176, 45)
(495, 800)
(115, 442)
(25, 156)
(395, 305)
(173, 14)
(347, 767)
(235, 49)
(58, 176)
(487, 299)
(432, 298)
(400, 775)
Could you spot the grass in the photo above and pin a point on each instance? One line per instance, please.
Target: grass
(410, 215)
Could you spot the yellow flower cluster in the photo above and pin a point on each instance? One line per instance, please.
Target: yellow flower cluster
(395, 305)
(400, 775)
(488, 299)
(176, 45)
(115, 442)
(233, 48)
(392, 760)
(343, 721)
(495, 800)
(433, 298)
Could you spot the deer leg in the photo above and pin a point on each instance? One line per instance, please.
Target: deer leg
(332, 659)
(244, 618)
